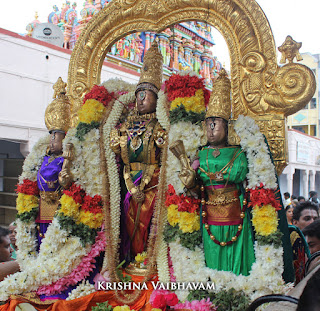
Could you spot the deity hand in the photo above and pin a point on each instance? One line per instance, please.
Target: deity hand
(188, 178)
(65, 178)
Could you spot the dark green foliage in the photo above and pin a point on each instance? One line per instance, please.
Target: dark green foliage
(200, 294)
(188, 240)
(28, 216)
(84, 128)
(274, 238)
(180, 114)
(231, 300)
(102, 306)
(85, 233)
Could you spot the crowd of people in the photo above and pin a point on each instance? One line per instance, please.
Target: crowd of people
(304, 227)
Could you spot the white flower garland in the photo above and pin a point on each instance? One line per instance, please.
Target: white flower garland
(26, 243)
(266, 272)
(59, 255)
(34, 159)
(161, 111)
(261, 169)
(83, 289)
(113, 174)
(116, 84)
(86, 163)
(191, 135)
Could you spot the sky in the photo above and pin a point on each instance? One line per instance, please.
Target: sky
(297, 18)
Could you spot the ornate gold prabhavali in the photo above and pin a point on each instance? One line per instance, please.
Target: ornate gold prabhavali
(260, 88)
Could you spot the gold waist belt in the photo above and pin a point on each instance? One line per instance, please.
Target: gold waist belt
(223, 206)
(49, 202)
(137, 166)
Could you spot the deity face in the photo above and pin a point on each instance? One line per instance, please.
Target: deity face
(146, 101)
(56, 142)
(216, 132)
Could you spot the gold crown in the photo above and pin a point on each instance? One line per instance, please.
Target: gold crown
(220, 101)
(151, 71)
(58, 114)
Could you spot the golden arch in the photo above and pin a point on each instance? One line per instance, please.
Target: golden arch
(260, 88)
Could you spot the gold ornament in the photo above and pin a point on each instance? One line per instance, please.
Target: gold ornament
(151, 71)
(57, 115)
(220, 101)
(289, 50)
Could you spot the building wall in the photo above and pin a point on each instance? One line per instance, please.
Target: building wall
(303, 171)
(28, 70)
(307, 120)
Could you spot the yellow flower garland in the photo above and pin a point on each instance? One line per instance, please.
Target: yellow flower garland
(69, 207)
(26, 202)
(90, 219)
(265, 219)
(188, 222)
(194, 103)
(122, 308)
(173, 216)
(92, 110)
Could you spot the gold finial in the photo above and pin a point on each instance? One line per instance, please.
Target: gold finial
(36, 15)
(59, 87)
(220, 101)
(289, 50)
(151, 71)
(58, 114)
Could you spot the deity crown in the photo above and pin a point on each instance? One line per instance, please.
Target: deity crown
(220, 100)
(58, 114)
(151, 71)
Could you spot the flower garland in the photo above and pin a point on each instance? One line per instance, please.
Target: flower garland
(185, 88)
(80, 272)
(74, 228)
(268, 266)
(83, 289)
(34, 160)
(46, 268)
(160, 299)
(114, 175)
(196, 305)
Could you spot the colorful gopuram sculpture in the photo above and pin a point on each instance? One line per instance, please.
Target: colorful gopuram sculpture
(185, 46)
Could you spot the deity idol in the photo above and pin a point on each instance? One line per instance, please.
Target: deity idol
(139, 143)
(221, 170)
(51, 180)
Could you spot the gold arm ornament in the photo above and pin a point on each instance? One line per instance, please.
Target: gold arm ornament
(187, 174)
(65, 176)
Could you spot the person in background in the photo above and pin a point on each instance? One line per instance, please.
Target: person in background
(301, 199)
(12, 236)
(312, 234)
(313, 197)
(287, 199)
(7, 265)
(294, 203)
(310, 297)
(289, 214)
(293, 197)
(304, 214)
